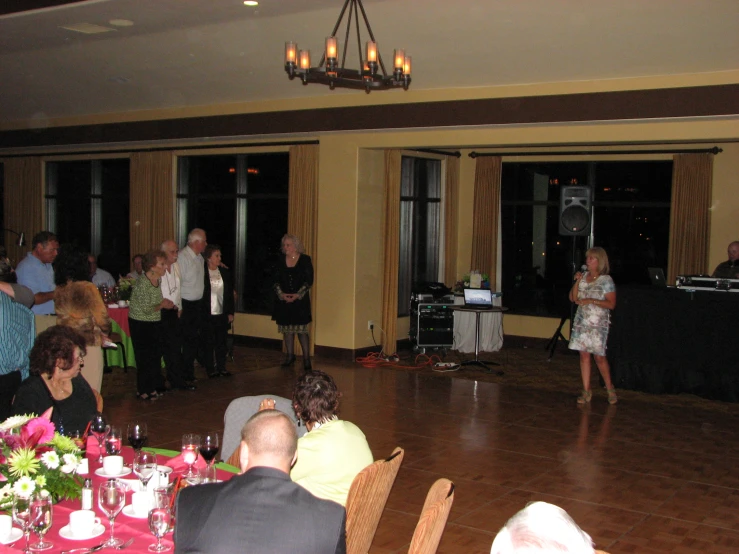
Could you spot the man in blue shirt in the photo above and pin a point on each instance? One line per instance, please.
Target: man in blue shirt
(17, 333)
(35, 272)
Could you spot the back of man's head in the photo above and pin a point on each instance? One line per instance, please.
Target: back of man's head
(268, 439)
(541, 527)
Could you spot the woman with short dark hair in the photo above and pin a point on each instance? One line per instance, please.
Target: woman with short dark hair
(144, 319)
(218, 305)
(55, 382)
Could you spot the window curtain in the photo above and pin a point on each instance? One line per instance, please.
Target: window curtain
(690, 216)
(391, 234)
(24, 196)
(302, 211)
(152, 200)
(486, 215)
(451, 219)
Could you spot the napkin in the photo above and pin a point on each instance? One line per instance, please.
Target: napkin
(178, 464)
(93, 450)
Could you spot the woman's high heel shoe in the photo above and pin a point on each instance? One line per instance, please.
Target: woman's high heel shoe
(289, 360)
(307, 366)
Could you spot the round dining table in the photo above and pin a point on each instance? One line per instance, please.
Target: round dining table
(126, 527)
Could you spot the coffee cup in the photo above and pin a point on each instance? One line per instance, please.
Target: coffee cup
(6, 526)
(141, 503)
(113, 465)
(121, 303)
(82, 523)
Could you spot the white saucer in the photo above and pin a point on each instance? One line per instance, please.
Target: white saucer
(13, 536)
(128, 511)
(100, 472)
(164, 469)
(96, 532)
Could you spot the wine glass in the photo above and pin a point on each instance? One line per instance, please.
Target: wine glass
(144, 466)
(137, 434)
(99, 429)
(41, 518)
(22, 515)
(208, 450)
(114, 441)
(159, 523)
(111, 499)
(190, 447)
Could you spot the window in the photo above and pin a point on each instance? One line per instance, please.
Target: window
(240, 200)
(630, 216)
(420, 226)
(87, 205)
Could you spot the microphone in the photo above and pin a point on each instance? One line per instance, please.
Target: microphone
(583, 268)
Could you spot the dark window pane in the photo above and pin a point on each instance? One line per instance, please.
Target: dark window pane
(73, 213)
(633, 181)
(267, 173)
(267, 223)
(212, 174)
(115, 239)
(218, 217)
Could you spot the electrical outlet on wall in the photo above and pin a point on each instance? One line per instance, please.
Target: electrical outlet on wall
(370, 325)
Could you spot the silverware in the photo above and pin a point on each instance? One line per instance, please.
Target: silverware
(86, 550)
(126, 544)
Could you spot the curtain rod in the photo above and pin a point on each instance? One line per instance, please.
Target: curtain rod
(714, 150)
(456, 153)
(160, 149)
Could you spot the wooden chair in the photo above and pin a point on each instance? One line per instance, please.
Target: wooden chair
(433, 518)
(366, 501)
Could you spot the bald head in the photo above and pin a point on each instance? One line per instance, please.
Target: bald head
(169, 247)
(733, 251)
(268, 439)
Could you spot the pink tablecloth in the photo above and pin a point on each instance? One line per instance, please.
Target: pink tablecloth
(120, 316)
(125, 527)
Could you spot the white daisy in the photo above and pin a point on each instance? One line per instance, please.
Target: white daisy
(24, 487)
(50, 459)
(15, 421)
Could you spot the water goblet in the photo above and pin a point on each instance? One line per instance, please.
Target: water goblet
(22, 515)
(137, 434)
(111, 499)
(114, 441)
(164, 497)
(190, 447)
(144, 466)
(159, 523)
(99, 429)
(41, 519)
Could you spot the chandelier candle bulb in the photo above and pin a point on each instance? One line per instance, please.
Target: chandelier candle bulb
(291, 50)
(371, 51)
(331, 48)
(399, 57)
(407, 66)
(304, 59)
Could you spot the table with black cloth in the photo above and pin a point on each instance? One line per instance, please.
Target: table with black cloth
(668, 340)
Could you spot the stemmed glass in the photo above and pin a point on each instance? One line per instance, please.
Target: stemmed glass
(144, 466)
(159, 522)
(22, 515)
(41, 518)
(208, 450)
(114, 442)
(99, 429)
(111, 499)
(137, 434)
(190, 447)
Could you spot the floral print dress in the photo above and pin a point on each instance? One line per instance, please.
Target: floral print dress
(590, 328)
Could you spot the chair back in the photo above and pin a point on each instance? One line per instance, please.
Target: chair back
(433, 518)
(366, 501)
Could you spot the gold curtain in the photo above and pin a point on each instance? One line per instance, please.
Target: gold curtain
(302, 210)
(391, 234)
(451, 203)
(152, 200)
(690, 216)
(485, 216)
(24, 197)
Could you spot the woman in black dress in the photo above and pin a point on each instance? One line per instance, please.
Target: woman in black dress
(293, 279)
(218, 304)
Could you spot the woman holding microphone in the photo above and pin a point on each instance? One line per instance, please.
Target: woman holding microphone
(595, 295)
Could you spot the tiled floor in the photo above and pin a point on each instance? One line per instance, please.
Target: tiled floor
(643, 476)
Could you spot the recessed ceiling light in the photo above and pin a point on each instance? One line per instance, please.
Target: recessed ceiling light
(121, 22)
(251, 3)
(87, 28)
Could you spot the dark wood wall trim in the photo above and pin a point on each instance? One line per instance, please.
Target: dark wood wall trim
(709, 101)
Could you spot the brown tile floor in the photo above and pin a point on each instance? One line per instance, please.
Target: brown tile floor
(643, 476)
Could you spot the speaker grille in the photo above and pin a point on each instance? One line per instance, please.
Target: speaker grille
(575, 218)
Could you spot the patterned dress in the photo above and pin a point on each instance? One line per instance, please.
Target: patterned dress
(590, 328)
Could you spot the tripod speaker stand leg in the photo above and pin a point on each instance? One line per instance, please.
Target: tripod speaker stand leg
(552, 344)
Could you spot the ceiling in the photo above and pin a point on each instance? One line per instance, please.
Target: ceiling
(187, 53)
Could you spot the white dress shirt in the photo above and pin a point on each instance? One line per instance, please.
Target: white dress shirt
(192, 274)
(171, 287)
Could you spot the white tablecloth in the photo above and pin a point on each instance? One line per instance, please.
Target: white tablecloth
(491, 329)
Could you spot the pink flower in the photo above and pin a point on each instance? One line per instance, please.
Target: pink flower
(37, 431)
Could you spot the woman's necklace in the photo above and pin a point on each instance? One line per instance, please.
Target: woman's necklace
(59, 388)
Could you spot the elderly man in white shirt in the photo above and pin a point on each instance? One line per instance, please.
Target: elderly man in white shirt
(192, 275)
(99, 277)
(171, 328)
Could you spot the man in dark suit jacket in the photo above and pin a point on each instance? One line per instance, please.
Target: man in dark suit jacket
(261, 510)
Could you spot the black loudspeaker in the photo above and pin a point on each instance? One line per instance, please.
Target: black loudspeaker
(575, 207)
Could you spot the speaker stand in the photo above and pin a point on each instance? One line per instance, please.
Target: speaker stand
(558, 336)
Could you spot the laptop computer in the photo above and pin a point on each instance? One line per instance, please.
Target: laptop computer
(481, 299)
(657, 276)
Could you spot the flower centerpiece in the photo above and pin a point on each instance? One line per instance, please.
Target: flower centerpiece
(124, 288)
(464, 283)
(33, 456)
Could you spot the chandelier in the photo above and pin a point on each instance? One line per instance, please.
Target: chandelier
(371, 75)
